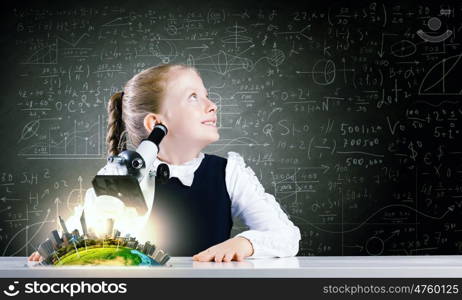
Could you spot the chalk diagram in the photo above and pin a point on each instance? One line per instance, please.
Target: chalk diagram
(365, 222)
(437, 81)
(216, 16)
(403, 48)
(49, 54)
(434, 24)
(29, 238)
(32, 229)
(221, 63)
(275, 58)
(164, 50)
(298, 33)
(30, 129)
(44, 55)
(324, 72)
(83, 141)
(376, 245)
(236, 37)
(74, 197)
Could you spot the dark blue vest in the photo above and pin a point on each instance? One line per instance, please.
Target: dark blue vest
(187, 220)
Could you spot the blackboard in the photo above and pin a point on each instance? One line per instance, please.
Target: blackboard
(348, 111)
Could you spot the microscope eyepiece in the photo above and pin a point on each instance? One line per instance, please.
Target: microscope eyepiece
(157, 134)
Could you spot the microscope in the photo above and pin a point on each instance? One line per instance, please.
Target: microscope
(129, 168)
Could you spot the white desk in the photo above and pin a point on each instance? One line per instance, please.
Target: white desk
(305, 267)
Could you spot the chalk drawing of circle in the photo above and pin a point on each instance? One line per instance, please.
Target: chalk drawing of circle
(222, 63)
(215, 17)
(434, 23)
(171, 29)
(247, 64)
(276, 58)
(374, 246)
(403, 48)
(166, 49)
(324, 72)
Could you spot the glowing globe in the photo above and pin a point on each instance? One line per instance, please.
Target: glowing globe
(106, 256)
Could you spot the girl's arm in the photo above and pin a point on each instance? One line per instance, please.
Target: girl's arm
(271, 233)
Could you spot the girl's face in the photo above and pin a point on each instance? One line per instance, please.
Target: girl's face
(188, 112)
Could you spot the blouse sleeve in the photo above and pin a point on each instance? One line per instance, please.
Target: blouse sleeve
(271, 232)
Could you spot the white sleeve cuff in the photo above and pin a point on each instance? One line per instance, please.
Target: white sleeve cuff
(272, 244)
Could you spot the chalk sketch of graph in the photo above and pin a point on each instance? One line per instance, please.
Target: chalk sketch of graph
(221, 63)
(45, 55)
(52, 142)
(437, 81)
(30, 129)
(26, 229)
(236, 36)
(164, 50)
(377, 213)
(49, 54)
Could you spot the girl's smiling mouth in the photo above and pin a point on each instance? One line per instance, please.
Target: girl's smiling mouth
(210, 122)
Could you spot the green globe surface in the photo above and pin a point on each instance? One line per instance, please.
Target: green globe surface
(106, 256)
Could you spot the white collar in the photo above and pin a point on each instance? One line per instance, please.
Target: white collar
(184, 172)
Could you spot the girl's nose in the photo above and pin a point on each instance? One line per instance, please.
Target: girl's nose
(211, 106)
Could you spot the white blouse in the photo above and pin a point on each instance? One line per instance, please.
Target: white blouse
(271, 232)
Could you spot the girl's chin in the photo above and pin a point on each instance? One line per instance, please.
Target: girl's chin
(213, 138)
(217, 137)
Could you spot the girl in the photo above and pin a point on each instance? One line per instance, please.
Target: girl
(192, 212)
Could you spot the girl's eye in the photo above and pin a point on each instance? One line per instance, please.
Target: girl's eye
(193, 97)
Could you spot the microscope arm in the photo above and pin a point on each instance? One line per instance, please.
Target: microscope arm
(121, 176)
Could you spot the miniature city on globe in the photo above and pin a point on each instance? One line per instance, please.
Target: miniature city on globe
(72, 248)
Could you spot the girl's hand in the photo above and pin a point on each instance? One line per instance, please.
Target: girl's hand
(236, 248)
(35, 257)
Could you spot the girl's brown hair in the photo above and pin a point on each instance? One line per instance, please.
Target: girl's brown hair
(142, 94)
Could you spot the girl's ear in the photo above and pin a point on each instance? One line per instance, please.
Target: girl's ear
(151, 120)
